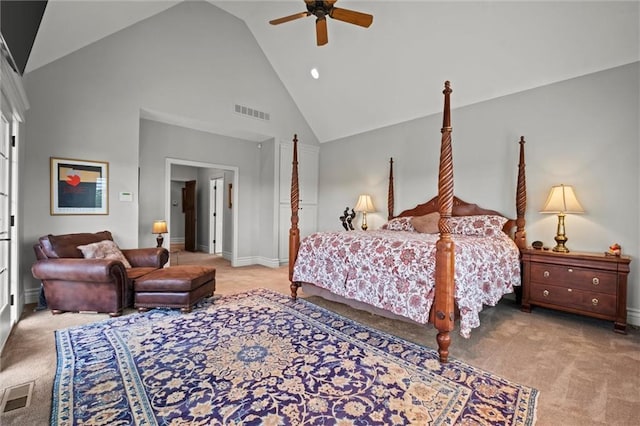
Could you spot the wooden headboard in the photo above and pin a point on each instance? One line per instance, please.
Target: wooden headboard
(460, 208)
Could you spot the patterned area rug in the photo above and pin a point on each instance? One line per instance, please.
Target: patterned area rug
(262, 358)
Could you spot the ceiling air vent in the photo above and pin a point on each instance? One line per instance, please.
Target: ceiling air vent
(251, 112)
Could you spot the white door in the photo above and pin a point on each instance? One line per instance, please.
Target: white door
(5, 232)
(216, 212)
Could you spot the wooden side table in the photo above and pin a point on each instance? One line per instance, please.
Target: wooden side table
(592, 284)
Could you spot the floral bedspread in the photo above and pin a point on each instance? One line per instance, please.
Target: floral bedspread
(395, 270)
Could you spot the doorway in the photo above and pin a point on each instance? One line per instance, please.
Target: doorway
(229, 234)
(189, 210)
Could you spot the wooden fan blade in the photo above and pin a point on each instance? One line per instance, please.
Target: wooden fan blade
(289, 18)
(351, 16)
(321, 31)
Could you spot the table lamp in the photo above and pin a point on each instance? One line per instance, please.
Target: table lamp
(364, 205)
(562, 199)
(159, 227)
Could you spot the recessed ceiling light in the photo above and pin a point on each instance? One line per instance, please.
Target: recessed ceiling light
(314, 73)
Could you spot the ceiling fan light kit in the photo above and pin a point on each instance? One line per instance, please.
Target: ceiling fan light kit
(322, 9)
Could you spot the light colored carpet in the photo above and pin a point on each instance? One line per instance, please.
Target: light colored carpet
(586, 374)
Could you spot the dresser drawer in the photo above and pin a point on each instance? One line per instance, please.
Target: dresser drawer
(599, 303)
(574, 277)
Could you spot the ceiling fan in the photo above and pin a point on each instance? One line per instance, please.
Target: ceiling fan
(322, 9)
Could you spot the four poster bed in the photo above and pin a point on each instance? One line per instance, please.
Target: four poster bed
(426, 264)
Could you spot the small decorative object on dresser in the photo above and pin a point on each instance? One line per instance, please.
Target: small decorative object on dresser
(347, 219)
(592, 284)
(614, 250)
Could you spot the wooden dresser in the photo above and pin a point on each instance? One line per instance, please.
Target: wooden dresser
(592, 284)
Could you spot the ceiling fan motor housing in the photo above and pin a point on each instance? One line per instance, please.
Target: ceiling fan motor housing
(319, 9)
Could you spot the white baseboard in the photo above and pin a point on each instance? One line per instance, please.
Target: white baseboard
(31, 295)
(177, 240)
(269, 263)
(257, 260)
(633, 317)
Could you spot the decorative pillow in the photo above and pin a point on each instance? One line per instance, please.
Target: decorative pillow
(106, 249)
(479, 225)
(399, 224)
(427, 224)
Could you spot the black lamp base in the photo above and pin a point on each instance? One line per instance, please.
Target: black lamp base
(160, 240)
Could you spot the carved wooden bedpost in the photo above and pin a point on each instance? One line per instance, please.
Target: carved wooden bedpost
(294, 232)
(520, 236)
(390, 194)
(444, 298)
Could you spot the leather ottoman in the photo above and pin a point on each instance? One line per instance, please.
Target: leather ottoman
(180, 286)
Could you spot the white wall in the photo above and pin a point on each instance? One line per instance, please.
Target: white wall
(583, 132)
(192, 62)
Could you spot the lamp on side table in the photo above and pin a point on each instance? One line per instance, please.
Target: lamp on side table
(159, 227)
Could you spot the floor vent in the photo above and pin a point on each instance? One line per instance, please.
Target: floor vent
(18, 396)
(251, 112)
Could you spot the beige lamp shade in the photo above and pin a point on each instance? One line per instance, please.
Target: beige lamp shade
(159, 227)
(364, 204)
(562, 199)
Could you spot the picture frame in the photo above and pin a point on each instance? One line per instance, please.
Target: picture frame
(79, 187)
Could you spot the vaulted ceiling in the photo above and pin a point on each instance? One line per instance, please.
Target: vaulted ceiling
(394, 70)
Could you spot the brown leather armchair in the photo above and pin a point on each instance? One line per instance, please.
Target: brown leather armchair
(73, 283)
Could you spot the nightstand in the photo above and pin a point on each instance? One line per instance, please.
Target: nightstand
(591, 284)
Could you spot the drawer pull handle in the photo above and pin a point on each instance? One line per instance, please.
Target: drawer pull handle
(545, 293)
(595, 281)
(594, 301)
(546, 274)
(570, 270)
(570, 290)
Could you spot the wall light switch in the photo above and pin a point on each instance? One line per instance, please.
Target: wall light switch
(126, 196)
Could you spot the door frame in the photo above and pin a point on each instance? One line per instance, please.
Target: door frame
(216, 206)
(234, 214)
(14, 104)
(7, 262)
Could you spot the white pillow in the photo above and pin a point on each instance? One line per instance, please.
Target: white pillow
(105, 249)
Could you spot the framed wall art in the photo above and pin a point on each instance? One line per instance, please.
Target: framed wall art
(79, 187)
